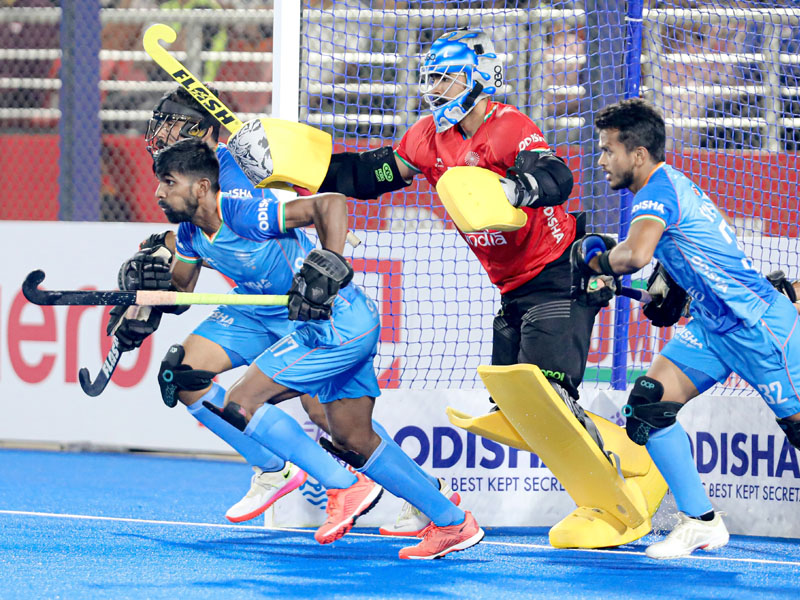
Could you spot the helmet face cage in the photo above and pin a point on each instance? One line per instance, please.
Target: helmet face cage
(169, 114)
(161, 129)
(466, 56)
(431, 78)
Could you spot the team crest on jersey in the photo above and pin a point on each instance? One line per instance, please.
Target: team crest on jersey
(472, 159)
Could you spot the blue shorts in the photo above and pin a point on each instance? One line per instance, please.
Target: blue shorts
(331, 359)
(244, 332)
(767, 356)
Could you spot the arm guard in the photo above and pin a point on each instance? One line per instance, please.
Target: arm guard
(363, 175)
(540, 179)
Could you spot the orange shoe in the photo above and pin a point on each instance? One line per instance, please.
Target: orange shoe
(438, 541)
(412, 521)
(345, 506)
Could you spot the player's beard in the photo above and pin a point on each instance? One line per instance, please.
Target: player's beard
(625, 181)
(181, 216)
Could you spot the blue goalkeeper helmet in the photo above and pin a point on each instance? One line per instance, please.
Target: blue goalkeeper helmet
(465, 57)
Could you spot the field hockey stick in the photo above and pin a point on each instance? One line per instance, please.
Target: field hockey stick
(96, 387)
(31, 290)
(153, 37)
(639, 295)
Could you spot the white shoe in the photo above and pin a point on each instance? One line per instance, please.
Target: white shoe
(265, 489)
(411, 521)
(689, 535)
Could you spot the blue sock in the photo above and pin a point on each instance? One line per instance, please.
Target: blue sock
(254, 453)
(283, 435)
(378, 428)
(672, 455)
(395, 471)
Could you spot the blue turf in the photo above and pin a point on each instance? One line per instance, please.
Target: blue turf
(51, 557)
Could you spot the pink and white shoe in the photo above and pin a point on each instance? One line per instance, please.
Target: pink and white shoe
(266, 488)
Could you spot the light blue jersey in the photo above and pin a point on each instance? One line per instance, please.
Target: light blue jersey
(700, 251)
(740, 323)
(257, 263)
(252, 247)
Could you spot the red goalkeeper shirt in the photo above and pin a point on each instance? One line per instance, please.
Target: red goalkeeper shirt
(511, 258)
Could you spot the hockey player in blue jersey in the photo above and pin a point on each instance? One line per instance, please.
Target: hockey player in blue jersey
(231, 336)
(739, 322)
(329, 354)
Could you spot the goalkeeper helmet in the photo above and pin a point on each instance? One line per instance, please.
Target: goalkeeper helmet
(460, 68)
(177, 112)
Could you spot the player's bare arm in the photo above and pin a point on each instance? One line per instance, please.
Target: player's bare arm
(185, 275)
(636, 251)
(328, 214)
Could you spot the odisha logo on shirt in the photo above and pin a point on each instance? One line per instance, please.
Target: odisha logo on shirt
(472, 159)
(263, 215)
(648, 205)
(531, 139)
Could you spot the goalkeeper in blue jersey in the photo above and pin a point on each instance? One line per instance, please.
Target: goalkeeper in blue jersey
(739, 322)
(329, 353)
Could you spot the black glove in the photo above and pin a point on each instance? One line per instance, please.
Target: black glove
(315, 286)
(780, 283)
(148, 269)
(588, 285)
(669, 299)
(131, 332)
(155, 241)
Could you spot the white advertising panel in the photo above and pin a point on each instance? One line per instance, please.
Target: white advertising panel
(437, 309)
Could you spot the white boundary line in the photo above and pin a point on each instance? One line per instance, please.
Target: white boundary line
(759, 561)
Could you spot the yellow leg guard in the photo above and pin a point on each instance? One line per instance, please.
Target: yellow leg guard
(611, 510)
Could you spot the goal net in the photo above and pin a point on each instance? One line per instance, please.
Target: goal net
(724, 74)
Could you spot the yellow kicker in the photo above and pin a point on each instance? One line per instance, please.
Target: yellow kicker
(611, 511)
(475, 200)
(277, 152)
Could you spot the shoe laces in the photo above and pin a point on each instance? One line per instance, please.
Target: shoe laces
(334, 502)
(427, 530)
(688, 528)
(409, 511)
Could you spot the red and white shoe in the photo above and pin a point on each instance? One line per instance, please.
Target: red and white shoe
(411, 521)
(345, 506)
(439, 541)
(266, 488)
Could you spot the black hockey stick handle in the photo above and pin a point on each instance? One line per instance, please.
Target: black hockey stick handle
(634, 294)
(96, 387)
(31, 290)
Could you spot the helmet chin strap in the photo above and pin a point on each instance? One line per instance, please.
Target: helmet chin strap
(469, 101)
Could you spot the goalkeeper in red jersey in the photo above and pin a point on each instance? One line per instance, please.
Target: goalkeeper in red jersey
(538, 323)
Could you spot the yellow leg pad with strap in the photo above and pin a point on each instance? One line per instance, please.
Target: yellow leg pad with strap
(475, 200)
(610, 510)
(635, 461)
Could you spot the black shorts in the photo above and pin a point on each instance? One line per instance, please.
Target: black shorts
(539, 324)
